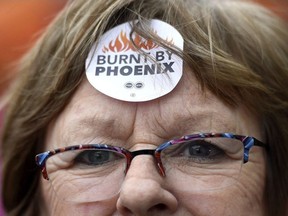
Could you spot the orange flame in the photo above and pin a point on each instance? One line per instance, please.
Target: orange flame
(123, 44)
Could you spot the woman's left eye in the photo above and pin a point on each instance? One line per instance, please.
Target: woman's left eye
(202, 148)
(199, 151)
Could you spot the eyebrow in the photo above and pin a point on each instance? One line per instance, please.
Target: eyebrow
(88, 125)
(107, 127)
(207, 122)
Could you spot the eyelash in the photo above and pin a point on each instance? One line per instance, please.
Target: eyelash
(205, 152)
(214, 152)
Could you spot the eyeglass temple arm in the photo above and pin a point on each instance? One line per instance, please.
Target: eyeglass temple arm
(249, 143)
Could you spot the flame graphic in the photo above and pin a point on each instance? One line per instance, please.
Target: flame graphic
(122, 44)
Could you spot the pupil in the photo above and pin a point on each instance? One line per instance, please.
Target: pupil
(98, 156)
(199, 150)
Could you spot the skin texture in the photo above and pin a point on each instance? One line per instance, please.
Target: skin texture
(92, 117)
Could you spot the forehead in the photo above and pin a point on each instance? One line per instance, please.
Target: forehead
(92, 116)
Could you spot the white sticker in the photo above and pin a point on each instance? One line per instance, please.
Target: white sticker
(116, 69)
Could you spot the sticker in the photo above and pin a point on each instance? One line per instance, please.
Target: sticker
(115, 67)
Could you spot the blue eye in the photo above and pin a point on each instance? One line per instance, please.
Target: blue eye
(196, 151)
(201, 148)
(95, 157)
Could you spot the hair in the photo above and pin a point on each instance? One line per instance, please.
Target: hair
(238, 50)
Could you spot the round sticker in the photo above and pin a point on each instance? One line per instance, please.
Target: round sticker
(115, 67)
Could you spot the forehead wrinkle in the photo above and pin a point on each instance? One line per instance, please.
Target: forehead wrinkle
(213, 112)
(166, 124)
(190, 116)
(159, 124)
(185, 122)
(87, 120)
(97, 122)
(84, 129)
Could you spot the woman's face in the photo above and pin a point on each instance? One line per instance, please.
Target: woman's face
(92, 117)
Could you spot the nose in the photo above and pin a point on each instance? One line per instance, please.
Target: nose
(143, 191)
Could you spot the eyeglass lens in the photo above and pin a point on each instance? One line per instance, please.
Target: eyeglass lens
(192, 166)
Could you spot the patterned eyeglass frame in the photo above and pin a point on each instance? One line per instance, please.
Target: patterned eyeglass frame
(248, 143)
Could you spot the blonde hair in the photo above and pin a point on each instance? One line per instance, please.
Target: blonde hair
(236, 49)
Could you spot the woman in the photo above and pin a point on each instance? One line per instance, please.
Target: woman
(229, 98)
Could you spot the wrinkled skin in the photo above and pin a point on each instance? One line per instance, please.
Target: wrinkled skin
(91, 117)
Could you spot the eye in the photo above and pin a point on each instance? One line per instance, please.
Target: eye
(199, 151)
(201, 148)
(96, 157)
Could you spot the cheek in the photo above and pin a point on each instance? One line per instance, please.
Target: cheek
(222, 203)
(252, 181)
(55, 206)
(243, 198)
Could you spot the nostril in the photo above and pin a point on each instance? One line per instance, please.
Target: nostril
(160, 207)
(157, 208)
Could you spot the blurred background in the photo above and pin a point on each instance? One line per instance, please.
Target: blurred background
(22, 21)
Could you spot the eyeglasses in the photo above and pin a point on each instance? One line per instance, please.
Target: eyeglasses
(192, 163)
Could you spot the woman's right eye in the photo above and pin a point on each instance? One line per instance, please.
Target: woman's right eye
(95, 157)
